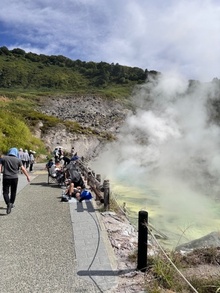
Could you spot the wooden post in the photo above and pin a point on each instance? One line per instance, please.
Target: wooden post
(98, 177)
(142, 241)
(89, 178)
(106, 194)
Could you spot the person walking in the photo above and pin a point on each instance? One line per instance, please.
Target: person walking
(21, 154)
(9, 166)
(26, 159)
(31, 160)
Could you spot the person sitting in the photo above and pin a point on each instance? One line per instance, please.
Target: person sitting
(49, 164)
(74, 175)
(72, 191)
(78, 193)
(55, 171)
(75, 157)
(60, 174)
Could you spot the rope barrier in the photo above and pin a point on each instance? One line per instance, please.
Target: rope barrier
(126, 213)
(170, 261)
(154, 238)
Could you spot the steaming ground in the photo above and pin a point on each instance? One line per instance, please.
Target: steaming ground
(166, 159)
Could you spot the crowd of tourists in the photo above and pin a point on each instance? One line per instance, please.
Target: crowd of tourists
(61, 166)
(64, 168)
(27, 158)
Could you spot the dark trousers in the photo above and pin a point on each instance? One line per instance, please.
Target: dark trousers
(25, 164)
(31, 167)
(10, 185)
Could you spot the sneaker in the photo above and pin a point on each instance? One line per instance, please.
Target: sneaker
(12, 205)
(9, 205)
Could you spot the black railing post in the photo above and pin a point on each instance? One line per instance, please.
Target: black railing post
(142, 241)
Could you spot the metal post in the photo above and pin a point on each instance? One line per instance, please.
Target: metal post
(142, 241)
(106, 194)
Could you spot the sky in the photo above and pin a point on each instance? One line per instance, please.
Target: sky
(167, 36)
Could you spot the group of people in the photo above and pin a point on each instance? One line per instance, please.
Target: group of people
(27, 158)
(66, 172)
(16, 161)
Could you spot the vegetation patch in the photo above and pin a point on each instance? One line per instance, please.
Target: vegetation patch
(194, 267)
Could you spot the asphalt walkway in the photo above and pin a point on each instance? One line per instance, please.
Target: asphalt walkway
(51, 246)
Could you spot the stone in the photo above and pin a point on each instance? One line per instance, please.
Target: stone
(210, 240)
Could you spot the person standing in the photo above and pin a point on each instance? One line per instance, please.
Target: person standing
(60, 154)
(21, 154)
(26, 159)
(65, 159)
(10, 165)
(56, 155)
(32, 160)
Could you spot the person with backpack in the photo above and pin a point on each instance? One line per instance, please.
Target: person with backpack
(74, 175)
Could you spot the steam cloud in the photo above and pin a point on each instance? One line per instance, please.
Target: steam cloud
(171, 144)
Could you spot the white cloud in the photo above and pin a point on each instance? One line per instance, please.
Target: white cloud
(181, 35)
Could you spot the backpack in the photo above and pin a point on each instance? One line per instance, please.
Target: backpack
(85, 195)
(74, 175)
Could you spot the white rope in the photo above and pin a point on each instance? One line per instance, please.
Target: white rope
(172, 262)
(160, 248)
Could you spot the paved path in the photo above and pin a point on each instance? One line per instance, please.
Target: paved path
(52, 246)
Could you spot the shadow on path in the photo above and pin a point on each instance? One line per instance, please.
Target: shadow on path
(104, 272)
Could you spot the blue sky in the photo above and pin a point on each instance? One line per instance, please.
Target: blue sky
(181, 36)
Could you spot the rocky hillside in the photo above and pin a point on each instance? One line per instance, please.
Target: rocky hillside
(100, 115)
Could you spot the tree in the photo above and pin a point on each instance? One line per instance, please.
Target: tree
(18, 51)
(4, 51)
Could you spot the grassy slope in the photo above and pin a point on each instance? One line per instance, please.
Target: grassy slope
(26, 84)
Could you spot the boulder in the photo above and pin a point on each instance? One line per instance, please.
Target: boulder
(207, 241)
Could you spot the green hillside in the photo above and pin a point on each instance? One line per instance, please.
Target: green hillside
(27, 79)
(29, 72)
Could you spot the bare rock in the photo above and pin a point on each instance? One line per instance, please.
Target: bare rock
(210, 240)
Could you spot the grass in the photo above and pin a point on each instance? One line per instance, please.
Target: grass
(163, 275)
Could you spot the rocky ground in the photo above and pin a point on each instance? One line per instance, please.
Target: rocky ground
(123, 239)
(199, 263)
(89, 111)
(100, 115)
